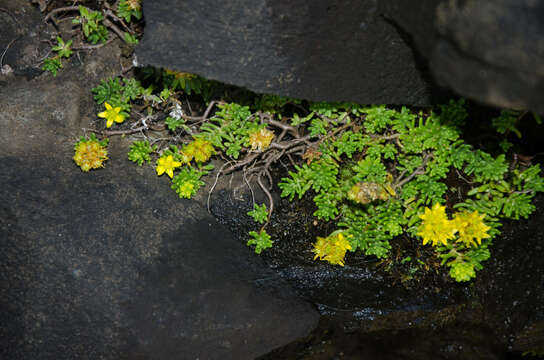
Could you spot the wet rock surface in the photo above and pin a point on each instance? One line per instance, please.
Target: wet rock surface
(511, 287)
(367, 314)
(385, 51)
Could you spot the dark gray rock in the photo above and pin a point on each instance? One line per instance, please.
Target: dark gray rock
(111, 264)
(491, 51)
(363, 51)
(317, 50)
(38, 115)
(511, 286)
(20, 45)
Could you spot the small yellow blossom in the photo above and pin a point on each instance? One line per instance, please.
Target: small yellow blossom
(112, 114)
(436, 227)
(90, 154)
(471, 227)
(167, 165)
(200, 149)
(134, 4)
(332, 249)
(260, 139)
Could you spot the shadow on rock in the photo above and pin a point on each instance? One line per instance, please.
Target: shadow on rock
(111, 265)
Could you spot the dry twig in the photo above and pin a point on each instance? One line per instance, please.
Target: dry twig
(53, 12)
(126, 132)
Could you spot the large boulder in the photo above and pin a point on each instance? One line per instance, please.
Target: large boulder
(317, 50)
(373, 51)
(491, 51)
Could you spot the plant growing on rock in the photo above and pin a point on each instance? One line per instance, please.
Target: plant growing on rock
(54, 64)
(377, 177)
(464, 231)
(259, 213)
(140, 152)
(261, 240)
(332, 249)
(90, 153)
(94, 27)
(129, 8)
(376, 174)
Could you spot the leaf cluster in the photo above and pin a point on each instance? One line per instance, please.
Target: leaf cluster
(273, 104)
(259, 213)
(506, 123)
(140, 152)
(128, 9)
(91, 24)
(188, 181)
(63, 50)
(376, 179)
(118, 93)
(187, 82)
(228, 130)
(53, 65)
(261, 240)
(508, 197)
(176, 123)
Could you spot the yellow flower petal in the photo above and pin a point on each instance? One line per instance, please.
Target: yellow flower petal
(109, 123)
(108, 106)
(436, 227)
(102, 114)
(167, 164)
(90, 154)
(332, 249)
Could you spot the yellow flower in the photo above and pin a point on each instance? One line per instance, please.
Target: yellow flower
(134, 4)
(436, 227)
(471, 227)
(167, 165)
(89, 154)
(260, 139)
(200, 149)
(112, 114)
(332, 249)
(320, 248)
